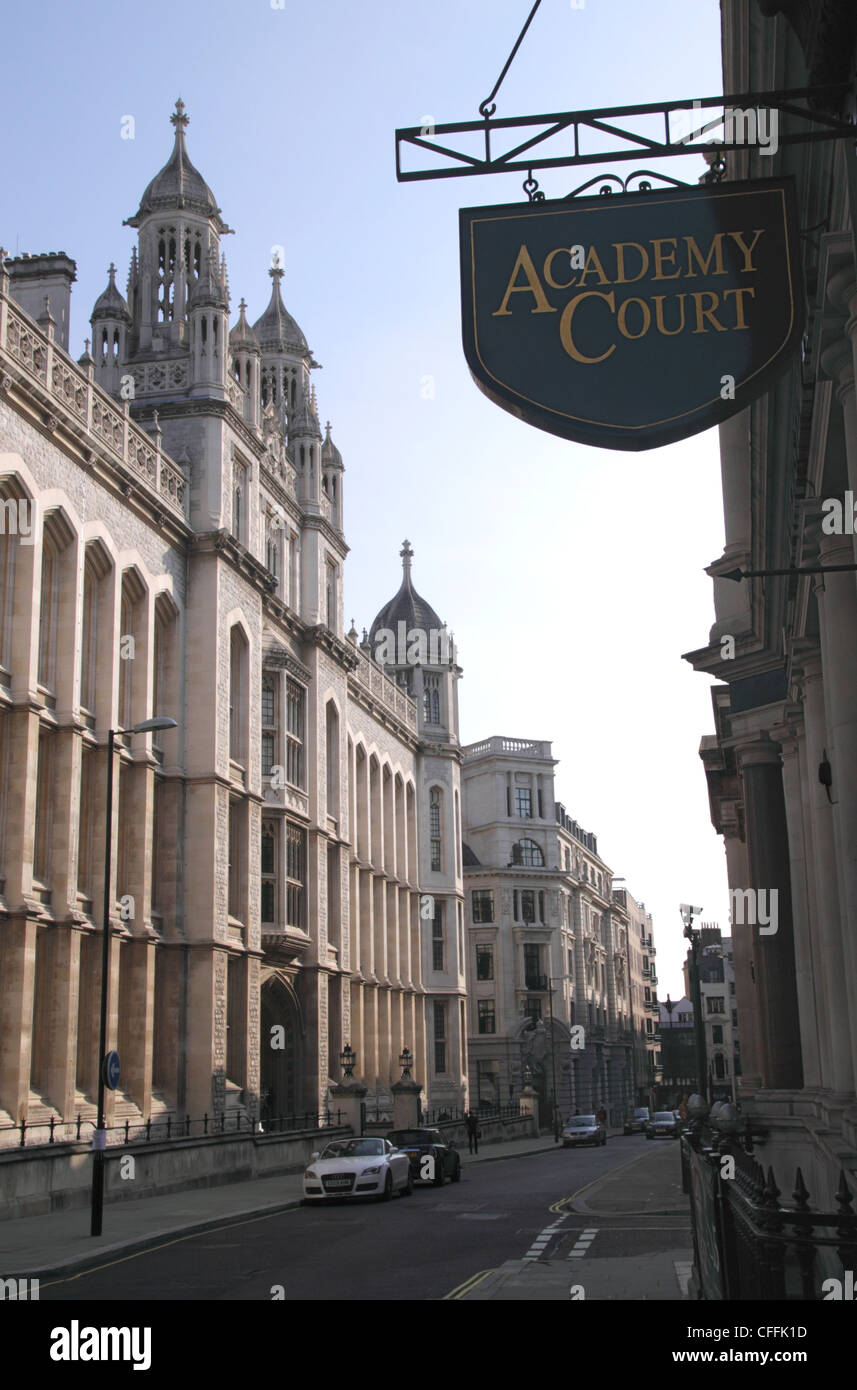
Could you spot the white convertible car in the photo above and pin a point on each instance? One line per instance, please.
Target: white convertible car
(358, 1168)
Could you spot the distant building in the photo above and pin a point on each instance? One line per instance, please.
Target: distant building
(678, 1051)
(549, 982)
(643, 982)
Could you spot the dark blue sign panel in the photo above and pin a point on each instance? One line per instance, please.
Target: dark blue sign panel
(110, 1070)
(635, 320)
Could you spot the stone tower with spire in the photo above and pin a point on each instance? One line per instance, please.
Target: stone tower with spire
(414, 646)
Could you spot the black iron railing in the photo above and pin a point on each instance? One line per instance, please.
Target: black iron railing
(747, 1244)
(162, 1128)
(456, 1114)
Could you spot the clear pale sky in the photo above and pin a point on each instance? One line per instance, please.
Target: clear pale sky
(572, 577)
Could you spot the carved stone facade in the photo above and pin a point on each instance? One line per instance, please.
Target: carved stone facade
(780, 765)
(173, 547)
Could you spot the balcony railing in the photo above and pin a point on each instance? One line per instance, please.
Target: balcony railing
(72, 398)
(536, 982)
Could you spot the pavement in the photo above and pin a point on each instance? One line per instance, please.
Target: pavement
(59, 1243)
(642, 1196)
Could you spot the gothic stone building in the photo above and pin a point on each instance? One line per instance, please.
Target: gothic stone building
(173, 546)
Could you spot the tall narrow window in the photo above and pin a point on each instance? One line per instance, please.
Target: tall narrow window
(86, 820)
(439, 1036)
(44, 811)
(236, 859)
(434, 829)
(49, 613)
(437, 938)
(239, 502)
(269, 724)
(269, 871)
(295, 875)
(523, 802)
(237, 695)
(331, 596)
(332, 757)
(295, 703)
(431, 699)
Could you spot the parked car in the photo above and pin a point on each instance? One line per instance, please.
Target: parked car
(664, 1124)
(583, 1129)
(358, 1168)
(636, 1124)
(420, 1144)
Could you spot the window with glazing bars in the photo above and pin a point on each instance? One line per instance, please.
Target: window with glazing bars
(295, 874)
(295, 705)
(269, 725)
(269, 871)
(434, 829)
(437, 938)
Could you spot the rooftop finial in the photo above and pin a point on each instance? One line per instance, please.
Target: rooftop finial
(178, 118)
(407, 554)
(111, 271)
(276, 271)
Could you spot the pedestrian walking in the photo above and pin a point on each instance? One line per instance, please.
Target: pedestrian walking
(472, 1131)
(601, 1117)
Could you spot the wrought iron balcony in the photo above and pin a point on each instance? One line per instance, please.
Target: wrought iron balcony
(538, 983)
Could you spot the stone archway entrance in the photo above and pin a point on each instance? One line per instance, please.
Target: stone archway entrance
(280, 1042)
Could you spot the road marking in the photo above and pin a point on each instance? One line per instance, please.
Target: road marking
(563, 1204)
(468, 1284)
(543, 1239)
(582, 1244)
(683, 1271)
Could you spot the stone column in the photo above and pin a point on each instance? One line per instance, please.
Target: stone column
(838, 617)
(768, 861)
(790, 736)
(746, 985)
(826, 936)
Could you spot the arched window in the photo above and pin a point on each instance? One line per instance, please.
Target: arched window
(431, 699)
(237, 695)
(528, 852)
(332, 758)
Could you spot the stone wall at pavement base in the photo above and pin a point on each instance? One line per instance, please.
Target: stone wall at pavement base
(490, 1131)
(36, 1182)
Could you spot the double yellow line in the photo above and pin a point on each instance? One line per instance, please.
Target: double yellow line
(464, 1289)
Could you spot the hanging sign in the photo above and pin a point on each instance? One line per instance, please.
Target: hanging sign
(630, 321)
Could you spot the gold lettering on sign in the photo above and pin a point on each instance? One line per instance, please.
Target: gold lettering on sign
(597, 269)
(533, 286)
(715, 250)
(565, 324)
(661, 256)
(738, 238)
(548, 267)
(741, 322)
(619, 248)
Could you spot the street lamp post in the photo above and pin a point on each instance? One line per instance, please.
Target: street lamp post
(551, 978)
(687, 916)
(100, 1137)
